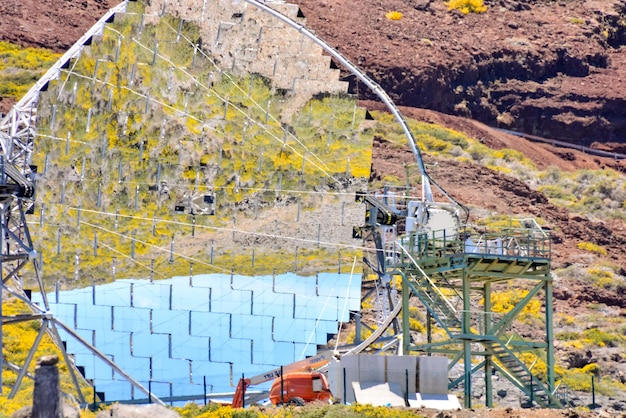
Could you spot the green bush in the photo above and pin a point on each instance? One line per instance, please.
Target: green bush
(567, 336)
(478, 152)
(600, 338)
(556, 191)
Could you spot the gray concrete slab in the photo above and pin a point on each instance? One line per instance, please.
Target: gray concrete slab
(401, 367)
(378, 394)
(433, 375)
(371, 368)
(348, 367)
(434, 401)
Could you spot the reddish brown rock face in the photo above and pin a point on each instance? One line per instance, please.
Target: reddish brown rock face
(546, 68)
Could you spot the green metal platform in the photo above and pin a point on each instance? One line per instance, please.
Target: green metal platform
(456, 281)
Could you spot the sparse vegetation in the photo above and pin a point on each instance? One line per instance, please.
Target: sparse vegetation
(20, 68)
(503, 302)
(17, 339)
(313, 410)
(220, 139)
(580, 379)
(467, 6)
(592, 248)
(596, 193)
(393, 15)
(601, 277)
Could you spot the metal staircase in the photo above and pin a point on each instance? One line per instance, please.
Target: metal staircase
(506, 360)
(510, 365)
(453, 281)
(436, 302)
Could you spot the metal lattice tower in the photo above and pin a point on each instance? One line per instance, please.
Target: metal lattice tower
(455, 274)
(456, 278)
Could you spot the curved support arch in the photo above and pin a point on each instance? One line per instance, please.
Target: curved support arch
(427, 194)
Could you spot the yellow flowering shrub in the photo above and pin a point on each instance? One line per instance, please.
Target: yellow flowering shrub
(467, 6)
(503, 302)
(592, 248)
(393, 15)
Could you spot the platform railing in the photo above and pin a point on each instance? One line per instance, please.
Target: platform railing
(513, 242)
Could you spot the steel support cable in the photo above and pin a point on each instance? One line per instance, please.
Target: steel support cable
(137, 262)
(432, 284)
(213, 188)
(168, 250)
(108, 361)
(191, 259)
(10, 122)
(165, 105)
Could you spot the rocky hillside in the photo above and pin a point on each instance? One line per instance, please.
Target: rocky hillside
(543, 67)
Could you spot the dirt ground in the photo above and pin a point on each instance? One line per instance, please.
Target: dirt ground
(519, 413)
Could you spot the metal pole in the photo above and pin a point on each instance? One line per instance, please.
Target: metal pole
(344, 386)
(282, 386)
(243, 391)
(429, 330)
(467, 348)
(406, 387)
(488, 358)
(549, 335)
(593, 393)
(406, 326)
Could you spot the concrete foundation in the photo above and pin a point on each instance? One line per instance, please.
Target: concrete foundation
(382, 380)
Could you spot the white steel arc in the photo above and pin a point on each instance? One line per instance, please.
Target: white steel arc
(371, 84)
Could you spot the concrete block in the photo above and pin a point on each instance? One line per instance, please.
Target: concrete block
(401, 367)
(433, 375)
(432, 401)
(371, 368)
(334, 376)
(348, 367)
(378, 393)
